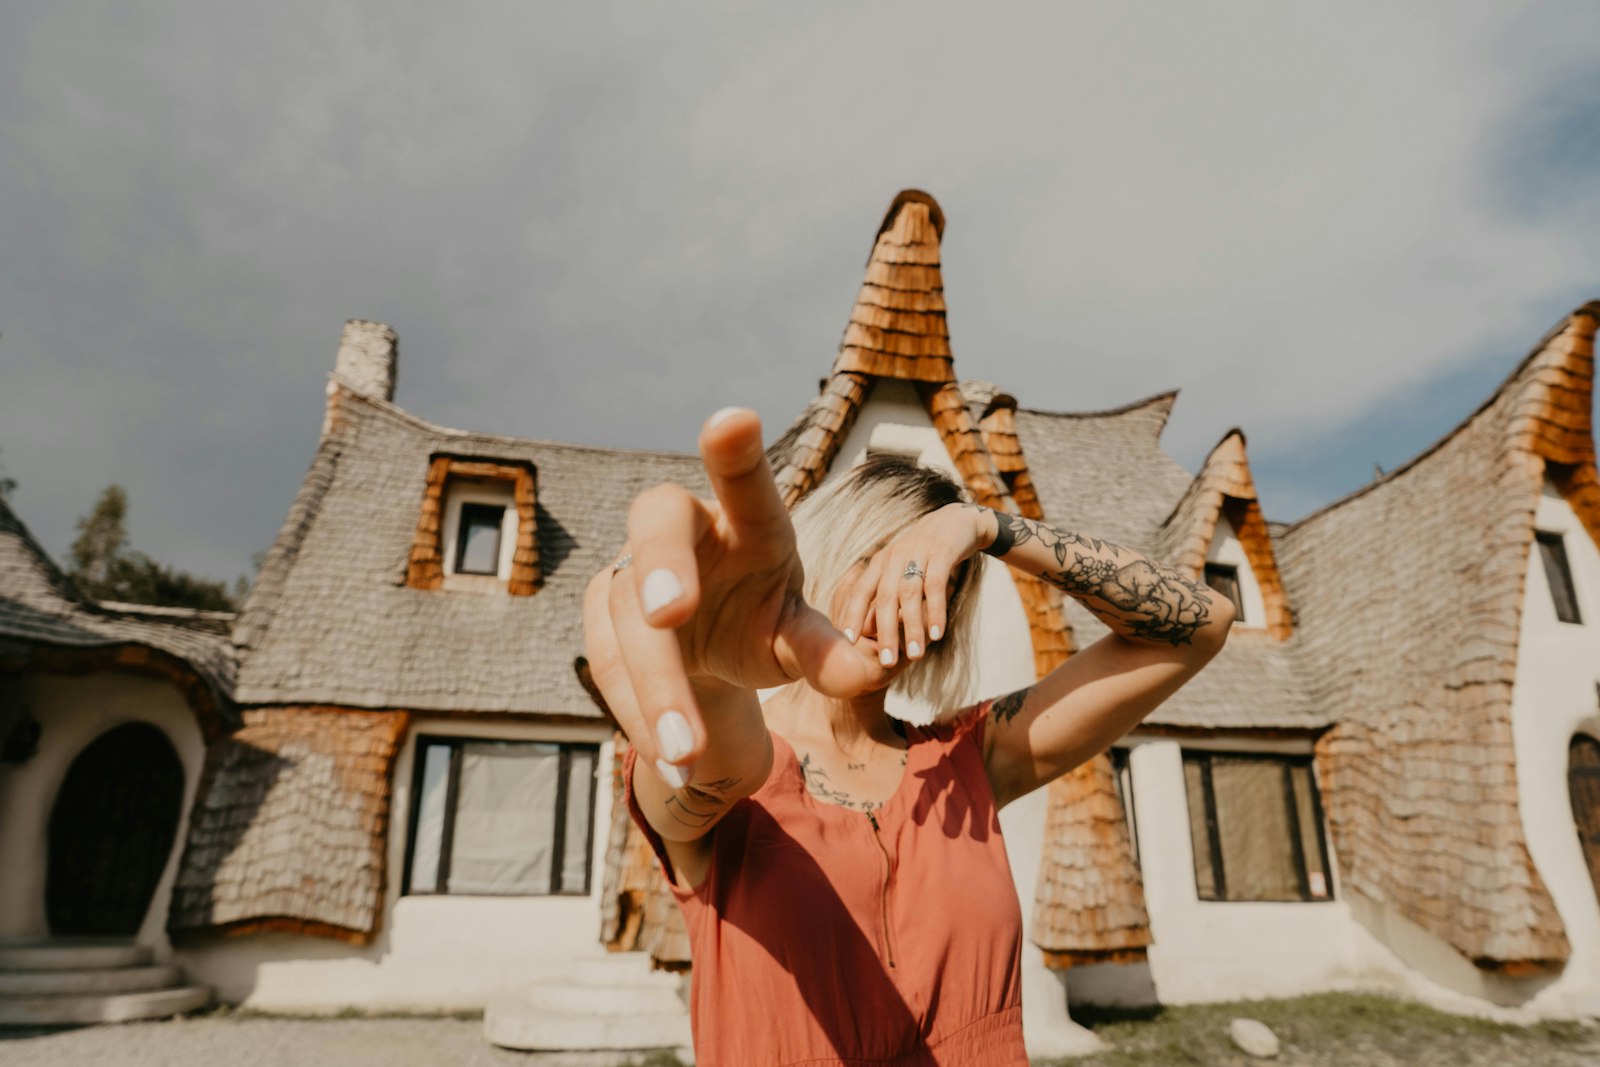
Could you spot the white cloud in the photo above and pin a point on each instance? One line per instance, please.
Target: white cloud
(599, 223)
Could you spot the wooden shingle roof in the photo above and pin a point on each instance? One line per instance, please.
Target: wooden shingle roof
(332, 620)
(47, 624)
(897, 328)
(1408, 594)
(1225, 487)
(290, 828)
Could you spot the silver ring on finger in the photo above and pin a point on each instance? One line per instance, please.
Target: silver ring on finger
(913, 571)
(626, 560)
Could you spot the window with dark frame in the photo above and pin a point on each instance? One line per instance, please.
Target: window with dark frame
(1224, 578)
(500, 818)
(1553, 548)
(1256, 824)
(478, 539)
(1123, 770)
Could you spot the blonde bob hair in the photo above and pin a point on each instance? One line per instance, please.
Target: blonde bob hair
(847, 520)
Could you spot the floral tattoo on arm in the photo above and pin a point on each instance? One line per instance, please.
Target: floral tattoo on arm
(1130, 593)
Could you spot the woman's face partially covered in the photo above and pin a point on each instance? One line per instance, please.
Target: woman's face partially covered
(866, 641)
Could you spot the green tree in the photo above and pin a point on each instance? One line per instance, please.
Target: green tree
(104, 567)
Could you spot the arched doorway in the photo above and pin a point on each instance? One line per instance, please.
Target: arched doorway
(111, 832)
(1583, 784)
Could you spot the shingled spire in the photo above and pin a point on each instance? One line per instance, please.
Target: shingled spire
(1225, 488)
(897, 328)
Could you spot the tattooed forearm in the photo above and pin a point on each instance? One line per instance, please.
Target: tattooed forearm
(1134, 595)
(1005, 708)
(699, 804)
(1143, 598)
(1014, 530)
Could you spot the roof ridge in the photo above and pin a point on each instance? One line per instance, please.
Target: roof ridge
(60, 583)
(1150, 401)
(1590, 308)
(395, 411)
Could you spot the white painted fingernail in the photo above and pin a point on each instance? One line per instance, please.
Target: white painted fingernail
(722, 416)
(913, 649)
(935, 632)
(850, 635)
(661, 587)
(672, 774)
(673, 736)
(886, 656)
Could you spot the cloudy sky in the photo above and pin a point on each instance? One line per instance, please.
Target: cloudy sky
(1337, 226)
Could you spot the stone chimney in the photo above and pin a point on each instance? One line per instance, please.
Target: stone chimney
(368, 356)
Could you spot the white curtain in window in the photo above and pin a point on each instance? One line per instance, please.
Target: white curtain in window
(430, 820)
(505, 819)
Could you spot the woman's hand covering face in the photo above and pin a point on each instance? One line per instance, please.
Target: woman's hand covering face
(888, 602)
(712, 597)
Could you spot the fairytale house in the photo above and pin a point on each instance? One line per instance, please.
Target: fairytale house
(1389, 778)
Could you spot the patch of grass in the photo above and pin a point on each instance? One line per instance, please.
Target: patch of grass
(662, 1058)
(1347, 1028)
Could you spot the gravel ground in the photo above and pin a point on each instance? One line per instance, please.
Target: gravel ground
(256, 1041)
(1324, 1031)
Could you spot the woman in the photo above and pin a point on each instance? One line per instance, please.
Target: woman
(841, 873)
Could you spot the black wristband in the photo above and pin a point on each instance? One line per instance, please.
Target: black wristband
(1004, 537)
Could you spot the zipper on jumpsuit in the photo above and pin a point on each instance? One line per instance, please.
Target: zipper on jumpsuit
(883, 896)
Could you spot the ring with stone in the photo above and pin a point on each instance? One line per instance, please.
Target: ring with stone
(625, 561)
(913, 571)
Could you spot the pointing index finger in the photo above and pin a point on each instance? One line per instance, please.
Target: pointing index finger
(736, 463)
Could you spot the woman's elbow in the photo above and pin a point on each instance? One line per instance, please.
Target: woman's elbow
(1211, 636)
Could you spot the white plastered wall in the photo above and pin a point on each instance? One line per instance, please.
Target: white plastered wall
(895, 420)
(1554, 697)
(1225, 548)
(432, 953)
(1207, 951)
(73, 710)
(1215, 950)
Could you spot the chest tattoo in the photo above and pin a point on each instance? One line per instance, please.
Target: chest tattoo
(820, 785)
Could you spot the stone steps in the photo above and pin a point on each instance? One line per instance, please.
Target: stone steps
(71, 955)
(65, 1010)
(72, 982)
(110, 980)
(614, 1004)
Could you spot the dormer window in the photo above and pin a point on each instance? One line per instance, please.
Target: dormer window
(1224, 578)
(1228, 571)
(477, 531)
(1558, 572)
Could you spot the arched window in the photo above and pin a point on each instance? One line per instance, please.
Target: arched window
(1583, 783)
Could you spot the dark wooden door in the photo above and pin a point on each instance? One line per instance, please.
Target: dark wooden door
(1583, 783)
(111, 832)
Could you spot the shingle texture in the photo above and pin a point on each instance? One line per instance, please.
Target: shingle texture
(897, 328)
(1088, 904)
(331, 620)
(290, 828)
(44, 619)
(1105, 474)
(1408, 596)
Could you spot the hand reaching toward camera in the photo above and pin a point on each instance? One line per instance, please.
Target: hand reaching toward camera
(706, 606)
